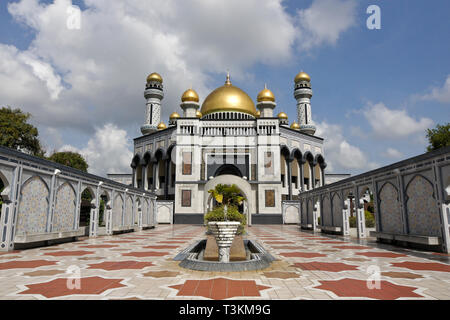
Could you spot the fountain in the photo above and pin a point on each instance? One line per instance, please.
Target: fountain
(252, 256)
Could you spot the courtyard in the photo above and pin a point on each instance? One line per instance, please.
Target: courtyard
(140, 265)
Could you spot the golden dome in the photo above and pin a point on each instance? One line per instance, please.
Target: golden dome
(161, 126)
(174, 115)
(258, 114)
(295, 126)
(282, 115)
(265, 95)
(154, 77)
(302, 76)
(198, 114)
(190, 95)
(228, 98)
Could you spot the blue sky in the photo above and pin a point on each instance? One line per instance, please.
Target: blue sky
(374, 90)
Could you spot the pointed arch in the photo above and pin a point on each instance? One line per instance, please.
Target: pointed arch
(33, 207)
(65, 208)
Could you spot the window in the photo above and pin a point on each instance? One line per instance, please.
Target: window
(185, 198)
(187, 163)
(270, 198)
(268, 163)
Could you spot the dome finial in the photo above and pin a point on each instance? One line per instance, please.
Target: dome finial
(228, 82)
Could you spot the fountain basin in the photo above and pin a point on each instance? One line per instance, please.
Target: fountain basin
(257, 258)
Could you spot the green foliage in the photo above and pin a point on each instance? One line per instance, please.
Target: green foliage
(86, 195)
(233, 214)
(227, 194)
(318, 221)
(370, 220)
(352, 221)
(438, 137)
(70, 159)
(101, 212)
(17, 134)
(1, 200)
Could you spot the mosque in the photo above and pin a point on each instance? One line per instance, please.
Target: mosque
(227, 139)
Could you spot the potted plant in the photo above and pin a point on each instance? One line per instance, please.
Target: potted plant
(225, 220)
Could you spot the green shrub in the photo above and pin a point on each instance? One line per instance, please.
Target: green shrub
(233, 214)
(370, 219)
(352, 221)
(318, 221)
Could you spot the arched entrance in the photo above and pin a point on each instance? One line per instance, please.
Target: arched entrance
(228, 169)
(248, 204)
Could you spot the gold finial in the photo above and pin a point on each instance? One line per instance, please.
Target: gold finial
(228, 82)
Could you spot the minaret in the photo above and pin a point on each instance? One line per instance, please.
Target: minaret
(153, 94)
(303, 94)
(190, 104)
(266, 103)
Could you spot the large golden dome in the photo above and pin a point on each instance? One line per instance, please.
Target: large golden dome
(228, 98)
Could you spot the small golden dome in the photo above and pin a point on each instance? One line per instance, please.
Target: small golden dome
(302, 76)
(174, 115)
(282, 115)
(295, 126)
(190, 95)
(161, 126)
(228, 98)
(198, 114)
(258, 114)
(265, 95)
(154, 77)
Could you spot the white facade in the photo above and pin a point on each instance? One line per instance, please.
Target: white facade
(269, 161)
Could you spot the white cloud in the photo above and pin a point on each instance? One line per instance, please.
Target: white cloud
(79, 80)
(340, 155)
(325, 21)
(439, 94)
(108, 151)
(394, 124)
(392, 153)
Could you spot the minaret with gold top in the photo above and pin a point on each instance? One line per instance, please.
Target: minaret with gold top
(153, 94)
(303, 94)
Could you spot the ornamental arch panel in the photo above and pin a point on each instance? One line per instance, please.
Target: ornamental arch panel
(422, 208)
(390, 210)
(33, 207)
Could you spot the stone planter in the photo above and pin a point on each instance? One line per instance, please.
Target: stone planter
(224, 232)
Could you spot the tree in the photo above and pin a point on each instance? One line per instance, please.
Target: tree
(438, 137)
(70, 159)
(17, 134)
(226, 194)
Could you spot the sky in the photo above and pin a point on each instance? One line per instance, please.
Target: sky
(375, 91)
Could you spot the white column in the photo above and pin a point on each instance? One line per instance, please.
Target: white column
(446, 225)
(345, 218)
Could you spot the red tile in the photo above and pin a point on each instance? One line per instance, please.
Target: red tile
(302, 254)
(120, 265)
(223, 288)
(68, 253)
(359, 289)
(145, 254)
(325, 266)
(352, 247)
(99, 246)
(381, 254)
(160, 247)
(25, 264)
(58, 287)
(430, 266)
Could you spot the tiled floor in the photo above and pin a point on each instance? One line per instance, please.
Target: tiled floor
(140, 266)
